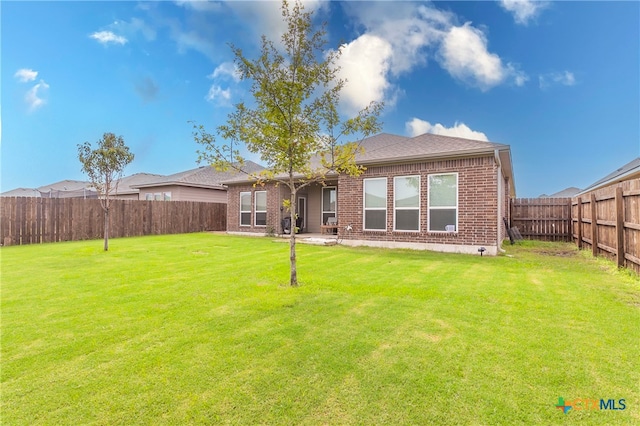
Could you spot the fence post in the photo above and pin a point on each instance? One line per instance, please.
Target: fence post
(579, 222)
(619, 227)
(570, 224)
(594, 226)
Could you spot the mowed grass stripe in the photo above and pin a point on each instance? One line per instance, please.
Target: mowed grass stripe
(201, 328)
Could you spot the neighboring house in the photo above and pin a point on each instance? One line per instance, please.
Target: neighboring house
(427, 192)
(201, 184)
(21, 192)
(68, 189)
(63, 189)
(125, 189)
(629, 171)
(565, 193)
(83, 189)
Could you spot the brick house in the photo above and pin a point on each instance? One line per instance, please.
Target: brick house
(427, 192)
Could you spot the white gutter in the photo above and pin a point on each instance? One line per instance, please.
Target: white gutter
(500, 196)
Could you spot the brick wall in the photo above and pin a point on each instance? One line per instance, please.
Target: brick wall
(273, 208)
(477, 202)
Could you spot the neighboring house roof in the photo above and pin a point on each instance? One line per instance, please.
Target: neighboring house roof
(201, 177)
(21, 192)
(125, 185)
(388, 148)
(630, 170)
(62, 189)
(65, 185)
(65, 189)
(565, 193)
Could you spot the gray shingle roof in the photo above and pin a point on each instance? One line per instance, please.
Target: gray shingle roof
(65, 185)
(203, 176)
(393, 148)
(565, 193)
(125, 185)
(21, 192)
(388, 148)
(629, 170)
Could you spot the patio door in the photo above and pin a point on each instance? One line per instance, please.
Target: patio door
(302, 211)
(329, 203)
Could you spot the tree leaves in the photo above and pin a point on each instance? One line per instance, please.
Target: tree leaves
(293, 122)
(104, 166)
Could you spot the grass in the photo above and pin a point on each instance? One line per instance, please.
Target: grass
(201, 329)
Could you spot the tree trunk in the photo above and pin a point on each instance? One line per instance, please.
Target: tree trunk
(106, 229)
(292, 237)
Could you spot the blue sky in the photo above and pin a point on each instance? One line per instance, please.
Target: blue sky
(558, 81)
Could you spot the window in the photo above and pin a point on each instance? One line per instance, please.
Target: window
(245, 209)
(443, 202)
(375, 204)
(158, 196)
(406, 192)
(328, 203)
(261, 208)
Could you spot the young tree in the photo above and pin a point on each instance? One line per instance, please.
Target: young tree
(104, 166)
(294, 116)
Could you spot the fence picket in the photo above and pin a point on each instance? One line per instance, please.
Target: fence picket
(542, 218)
(30, 220)
(606, 221)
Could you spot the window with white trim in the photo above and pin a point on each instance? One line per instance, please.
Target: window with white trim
(375, 204)
(158, 196)
(406, 203)
(329, 203)
(261, 208)
(443, 202)
(245, 209)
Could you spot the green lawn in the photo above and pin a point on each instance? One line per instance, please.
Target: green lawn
(200, 329)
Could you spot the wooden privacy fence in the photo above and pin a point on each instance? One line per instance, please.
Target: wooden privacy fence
(547, 219)
(25, 220)
(607, 222)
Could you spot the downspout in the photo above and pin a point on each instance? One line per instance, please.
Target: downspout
(500, 196)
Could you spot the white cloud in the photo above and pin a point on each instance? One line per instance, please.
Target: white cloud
(226, 70)
(415, 33)
(465, 56)
(523, 11)
(417, 127)
(396, 41)
(35, 96)
(194, 40)
(265, 17)
(519, 77)
(407, 28)
(25, 75)
(565, 78)
(200, 5)
(106, 37)
(218, 95)
(364, 63)
(131, 28)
